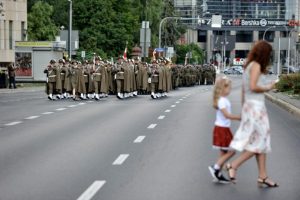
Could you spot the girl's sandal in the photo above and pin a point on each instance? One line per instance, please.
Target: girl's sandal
(265, 182)
(231, 173)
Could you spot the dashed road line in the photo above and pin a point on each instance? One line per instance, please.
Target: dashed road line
(180, 99)
(61, 109)
(173, 106)
(72, 106)
(161, 117)
(139, 139)
(47, 113)
(91, 101)
(121, 159)
(92, 190)
(167, 111)
(152, 126)
(13, 123)
(177, 101)
(80, 104)
(32, 117)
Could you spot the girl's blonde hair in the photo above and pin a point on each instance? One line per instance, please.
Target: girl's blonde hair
(220, 85)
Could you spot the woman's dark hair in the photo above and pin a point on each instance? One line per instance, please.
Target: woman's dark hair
(261, 53)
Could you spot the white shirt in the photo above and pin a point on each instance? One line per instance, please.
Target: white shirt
(221, 120)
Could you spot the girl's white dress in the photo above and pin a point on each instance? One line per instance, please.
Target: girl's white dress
(253, 133)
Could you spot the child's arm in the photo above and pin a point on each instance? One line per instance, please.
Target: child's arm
(230, 116)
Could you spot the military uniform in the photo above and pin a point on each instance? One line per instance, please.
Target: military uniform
(51, 79)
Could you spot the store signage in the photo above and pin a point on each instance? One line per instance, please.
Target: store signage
(252, 22)
(34, 44)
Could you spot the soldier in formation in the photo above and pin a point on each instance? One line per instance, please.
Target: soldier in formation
(126, 78)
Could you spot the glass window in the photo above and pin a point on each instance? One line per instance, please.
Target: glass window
(244, 36)
(202, 36)
(23, 31)
(269, 35)
(10, 34)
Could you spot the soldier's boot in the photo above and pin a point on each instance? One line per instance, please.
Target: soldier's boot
(131, 94)
(120, 96)
(58, 96)
(81, 96)
(153, 95)
(135, 93)
(97, 97)
(50, 97)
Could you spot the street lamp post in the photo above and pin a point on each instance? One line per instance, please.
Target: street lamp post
(289, 51)
(166, 18)
(160, 26)
(70, 31)
(267, 30)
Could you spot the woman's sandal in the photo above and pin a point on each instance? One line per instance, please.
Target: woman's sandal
(263, 182)
(231, 173)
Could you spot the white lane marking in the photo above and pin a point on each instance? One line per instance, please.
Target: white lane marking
(13, 123)
(72, 106)
(81, 104)
(47, 113)
(92, 190)
(177, 101)
(139, 139)
(180, 99)
(121, 159)
(91, 101)
(161, 117)
(173, 106)
(61, 109)
(151, 126)
(167, 111)
(183, 97)
(32, 117)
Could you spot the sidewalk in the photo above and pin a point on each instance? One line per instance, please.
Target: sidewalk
(22, 89)
(290, 104)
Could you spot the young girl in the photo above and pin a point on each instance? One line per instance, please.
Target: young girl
(222, 135)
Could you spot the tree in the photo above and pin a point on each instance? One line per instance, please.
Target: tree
(173, 29)
(40, 24)
(196, 52)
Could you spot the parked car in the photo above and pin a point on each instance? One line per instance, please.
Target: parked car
(291, 69)
(232, 70)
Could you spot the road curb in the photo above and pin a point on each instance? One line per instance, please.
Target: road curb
(283, 104)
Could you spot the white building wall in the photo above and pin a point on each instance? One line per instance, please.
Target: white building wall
(15, 11)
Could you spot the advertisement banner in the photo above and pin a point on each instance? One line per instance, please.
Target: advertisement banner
(23, 64)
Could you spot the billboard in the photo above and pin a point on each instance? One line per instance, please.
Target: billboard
(23, 64)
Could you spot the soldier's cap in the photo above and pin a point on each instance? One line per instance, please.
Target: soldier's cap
(74, 62)
(98, 58)
(61, 61)
(52, 61)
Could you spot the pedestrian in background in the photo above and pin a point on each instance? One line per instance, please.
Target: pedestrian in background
(253, 135)
(222, 135)
(12, 76)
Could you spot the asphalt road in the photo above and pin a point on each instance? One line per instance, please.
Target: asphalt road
(135, 149)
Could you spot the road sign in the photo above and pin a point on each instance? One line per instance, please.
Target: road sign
(82, 54)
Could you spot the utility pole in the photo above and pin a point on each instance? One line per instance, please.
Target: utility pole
(70, 31)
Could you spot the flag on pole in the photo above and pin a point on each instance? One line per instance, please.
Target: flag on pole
(125, 52)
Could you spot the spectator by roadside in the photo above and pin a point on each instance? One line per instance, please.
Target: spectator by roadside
(12, 76)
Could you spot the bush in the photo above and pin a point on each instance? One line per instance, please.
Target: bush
(290, 82)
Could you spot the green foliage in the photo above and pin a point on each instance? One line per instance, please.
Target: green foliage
(183, 50)
(290, 83)
(104, 25)
(40, 25)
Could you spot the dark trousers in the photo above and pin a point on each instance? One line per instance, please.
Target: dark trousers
(12, 82)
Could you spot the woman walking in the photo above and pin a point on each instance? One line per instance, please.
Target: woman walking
(253, 135)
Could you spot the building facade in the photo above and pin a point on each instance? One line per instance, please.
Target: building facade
(13, 27)
(243, 22)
